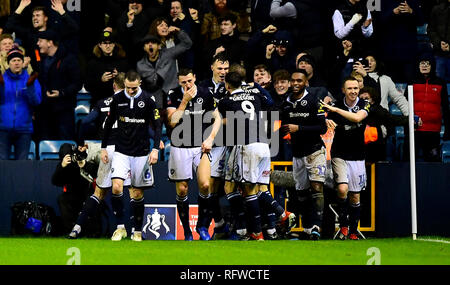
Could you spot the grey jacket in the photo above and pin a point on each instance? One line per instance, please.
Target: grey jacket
(159, 78)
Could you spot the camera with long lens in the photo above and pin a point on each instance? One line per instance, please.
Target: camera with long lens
(77, 155)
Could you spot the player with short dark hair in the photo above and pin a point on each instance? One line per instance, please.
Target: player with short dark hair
(347, 117)
(304, 120)
(216, 85)
(188, 108)
(134, 110)
(248, 164)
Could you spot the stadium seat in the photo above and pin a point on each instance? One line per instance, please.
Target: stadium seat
(49, 149)
(31, 152)
(401, 87)
(83, 94)
(422, 30)
(81, 110)
(399, 141)
(446, 152)
(394, 110)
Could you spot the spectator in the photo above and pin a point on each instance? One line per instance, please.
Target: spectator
(431, 105)
(19, 94)
(6, 44)
(307, 62)
(132, 27)
(280, 52)
(262, 76)
(66, 28)
(308, 20)
(260, 14)
(386, 86)
(210, 29)
(158, 67)
(257, 43)
(228, 42)
(190, 23)
(398, 38)
(109, 58)
(438, 30)
(156, 8)
(352, 21)
(160, 29)
(60, 79)
(281, 86)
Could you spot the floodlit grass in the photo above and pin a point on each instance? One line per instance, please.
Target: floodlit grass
(58, 251)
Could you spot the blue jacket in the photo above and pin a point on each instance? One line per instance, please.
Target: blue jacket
(19, 93)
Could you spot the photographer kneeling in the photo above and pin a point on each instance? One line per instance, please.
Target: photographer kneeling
(76, 176)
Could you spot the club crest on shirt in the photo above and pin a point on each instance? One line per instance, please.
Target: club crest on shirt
(199, 100)
(141, 104)
(303, 103)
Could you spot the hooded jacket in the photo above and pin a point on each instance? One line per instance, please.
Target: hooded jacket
(19, 93)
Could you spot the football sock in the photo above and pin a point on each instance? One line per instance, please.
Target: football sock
(90, 208)
(118, 208)
(203, 211)
(137, 212)
(237, 209)
(342, 211)
(317, 200)
(354, 215)
(252, 205)
(269, 218)
(304, 207)
(269, 203)
(214, 209)
(183, 212)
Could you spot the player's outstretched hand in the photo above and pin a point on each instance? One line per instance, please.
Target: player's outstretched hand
(328, 106)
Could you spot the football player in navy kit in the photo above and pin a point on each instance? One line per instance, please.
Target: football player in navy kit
(191, 143)
(248, 163)
(216, 85)
(348, 155)
(134, 110)
(304, 119)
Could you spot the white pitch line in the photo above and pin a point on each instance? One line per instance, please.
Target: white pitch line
(434, 240)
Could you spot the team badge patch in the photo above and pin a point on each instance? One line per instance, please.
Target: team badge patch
(200, 100)
(141, 104)
(303, 103)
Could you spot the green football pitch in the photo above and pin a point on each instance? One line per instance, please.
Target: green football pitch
(61, 251)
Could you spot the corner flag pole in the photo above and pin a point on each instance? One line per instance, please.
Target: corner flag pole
(412, 163)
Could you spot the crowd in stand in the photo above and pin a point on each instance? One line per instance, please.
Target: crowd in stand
(65, 45)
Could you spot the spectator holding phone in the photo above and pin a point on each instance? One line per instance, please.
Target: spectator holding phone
(109, 58)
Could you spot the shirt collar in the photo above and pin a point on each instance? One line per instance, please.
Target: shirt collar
(135, 96)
